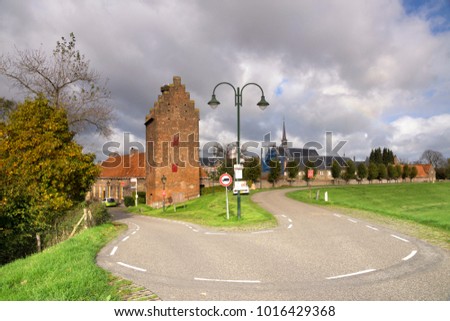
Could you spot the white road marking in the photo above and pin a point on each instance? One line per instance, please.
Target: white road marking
(132, 267)
(215, 233)
(125, 238)
(410, 256)
(113, 251)
(227, 281)
(351, 220)
(351, 274)
(134, 233)
(290, 226)
(372, 228)
(284, 215)
(337, 215)
(399, 238)
(194, 230)
(290, 221)
(262, 232)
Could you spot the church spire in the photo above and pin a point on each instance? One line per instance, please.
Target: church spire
(284, 139)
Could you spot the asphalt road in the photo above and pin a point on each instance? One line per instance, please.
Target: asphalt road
(314, 254)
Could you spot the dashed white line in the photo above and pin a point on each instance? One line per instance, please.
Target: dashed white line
(194, 230)
(134, 233)
(372, 228)
(113, 251)
(290, 226)
(351, 274)
(132, 267)
(284, 216)
(263, 232)
(337, 215)
(215, 233)
(125, 238)
(290, 221)
(410, 256)
(351, 220)
(399, 238)
(227, 281)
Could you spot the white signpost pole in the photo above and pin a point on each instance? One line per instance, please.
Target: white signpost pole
(225, 180)
(228, 208)
(134, 180)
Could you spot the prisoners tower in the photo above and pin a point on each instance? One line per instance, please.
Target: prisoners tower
(172, 143)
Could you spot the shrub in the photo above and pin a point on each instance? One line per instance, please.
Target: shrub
(100, 214)
(128, 201)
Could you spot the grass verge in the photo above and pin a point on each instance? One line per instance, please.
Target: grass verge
(210, 210)
(421, 210)
(64, 272)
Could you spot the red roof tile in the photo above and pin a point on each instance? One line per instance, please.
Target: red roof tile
(123, 166)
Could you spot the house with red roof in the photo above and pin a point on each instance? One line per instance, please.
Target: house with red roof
(119, 175)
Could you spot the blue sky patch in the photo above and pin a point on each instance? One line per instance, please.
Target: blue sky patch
(436, 12)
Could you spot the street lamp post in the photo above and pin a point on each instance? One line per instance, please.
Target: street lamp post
(214, 103)
(163, 181)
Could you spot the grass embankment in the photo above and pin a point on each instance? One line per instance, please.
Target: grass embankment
(64, 272)
(210, 210)
(427, 206)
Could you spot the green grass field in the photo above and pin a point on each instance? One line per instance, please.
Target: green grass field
(210, 210)
(420, 209)
(427, 204)
(64, 272)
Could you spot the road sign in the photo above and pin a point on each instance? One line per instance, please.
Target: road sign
(225, 180)
(238, 171)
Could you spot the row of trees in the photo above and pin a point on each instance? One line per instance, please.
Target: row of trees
(252, 171)
(385, 157)
(373, 172)
(43, 171)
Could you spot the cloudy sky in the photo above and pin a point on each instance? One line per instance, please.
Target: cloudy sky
(374, 73)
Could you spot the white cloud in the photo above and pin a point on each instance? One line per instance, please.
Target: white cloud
(412, 136)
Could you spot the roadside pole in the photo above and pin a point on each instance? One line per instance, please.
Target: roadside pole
(134, 180)
(225, 180)
(228, 208)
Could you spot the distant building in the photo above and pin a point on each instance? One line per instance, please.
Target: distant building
(425, 172)
(302, 156)
(116, 173)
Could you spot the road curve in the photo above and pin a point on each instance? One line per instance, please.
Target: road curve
(314, 254)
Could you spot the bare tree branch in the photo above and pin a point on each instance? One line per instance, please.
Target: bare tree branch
(67, 81)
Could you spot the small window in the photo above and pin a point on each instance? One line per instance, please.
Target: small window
(176, 140)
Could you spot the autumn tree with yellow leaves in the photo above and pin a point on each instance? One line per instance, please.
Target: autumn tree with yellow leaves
(43, 173)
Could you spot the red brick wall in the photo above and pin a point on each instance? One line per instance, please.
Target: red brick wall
(172, 135)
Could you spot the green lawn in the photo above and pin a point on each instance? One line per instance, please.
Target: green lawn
(64, 272)
(423, 203)
(210, 210)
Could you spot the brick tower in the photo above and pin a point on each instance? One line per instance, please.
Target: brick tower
(172, 139)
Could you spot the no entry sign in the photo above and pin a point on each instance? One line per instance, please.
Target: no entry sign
(225, 180)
